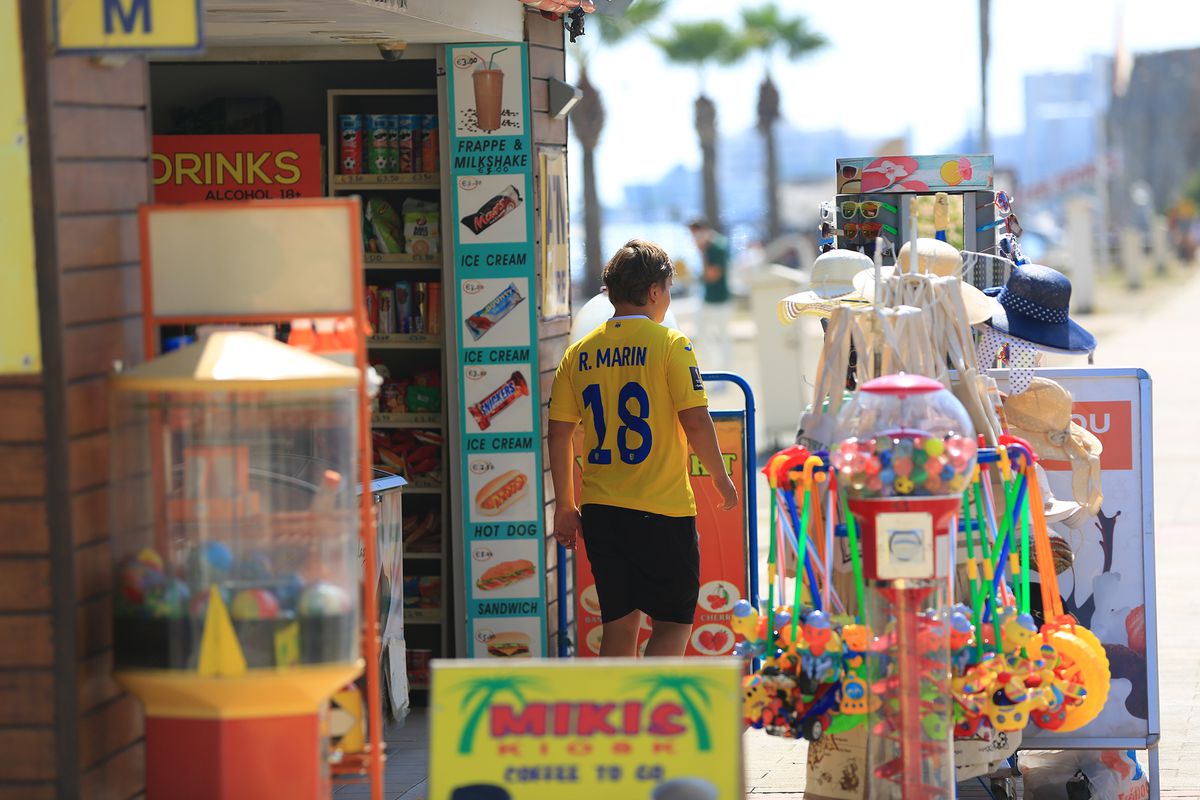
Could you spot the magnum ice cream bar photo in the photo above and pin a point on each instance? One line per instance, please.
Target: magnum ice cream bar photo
(493, 210)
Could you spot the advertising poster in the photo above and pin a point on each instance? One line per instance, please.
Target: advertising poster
(189, 169)
(492, 177)
(916, 174)
(20, 336)
(556, 248)
(1103, 582)
(663, 730)
(722, 553)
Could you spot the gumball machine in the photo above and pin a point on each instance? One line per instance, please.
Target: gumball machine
(235, 525)
(905, 452)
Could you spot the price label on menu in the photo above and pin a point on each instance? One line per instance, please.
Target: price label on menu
(500, 422)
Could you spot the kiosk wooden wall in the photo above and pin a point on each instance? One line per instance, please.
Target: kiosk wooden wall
(547, 59)
(66, 729)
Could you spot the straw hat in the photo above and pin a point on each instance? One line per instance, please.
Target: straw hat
(1041, 415)
(934, 257)
(1053, 509)
(831, 284)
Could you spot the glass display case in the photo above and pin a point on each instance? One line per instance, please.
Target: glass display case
(234, 510)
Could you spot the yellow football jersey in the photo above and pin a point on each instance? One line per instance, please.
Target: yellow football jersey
(626, 382)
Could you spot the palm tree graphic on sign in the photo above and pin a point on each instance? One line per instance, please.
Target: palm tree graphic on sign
(479, 696)
(691, 692)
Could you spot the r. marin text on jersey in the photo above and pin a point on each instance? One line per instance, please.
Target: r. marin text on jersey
(614, 357)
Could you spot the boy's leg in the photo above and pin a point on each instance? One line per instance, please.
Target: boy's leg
(620, 637)
(668, 639)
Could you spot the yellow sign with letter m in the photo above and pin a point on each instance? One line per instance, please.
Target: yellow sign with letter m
(129, 26)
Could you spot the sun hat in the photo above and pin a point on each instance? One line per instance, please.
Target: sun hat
(1041, 415)
(1053, 509)
(1034, 306)
(934, 257)
(831, 283)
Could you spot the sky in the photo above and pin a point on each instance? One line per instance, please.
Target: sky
(891, 68)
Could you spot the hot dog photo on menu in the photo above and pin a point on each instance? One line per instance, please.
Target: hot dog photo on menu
(504, 568)
(501, 488)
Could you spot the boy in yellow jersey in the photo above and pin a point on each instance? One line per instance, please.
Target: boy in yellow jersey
(635, 386)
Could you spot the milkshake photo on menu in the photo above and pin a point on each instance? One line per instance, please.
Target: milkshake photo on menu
(492, 209)
(487, 91)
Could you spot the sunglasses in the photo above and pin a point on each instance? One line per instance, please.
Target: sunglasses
(851, 172)
(868, 230)
(1009, 221)
(868, 208)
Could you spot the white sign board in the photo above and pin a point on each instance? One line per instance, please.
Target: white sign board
(1110, 585)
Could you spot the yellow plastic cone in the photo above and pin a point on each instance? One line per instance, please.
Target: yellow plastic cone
(220, 653)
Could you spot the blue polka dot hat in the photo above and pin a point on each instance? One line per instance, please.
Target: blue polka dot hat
(1034, 306)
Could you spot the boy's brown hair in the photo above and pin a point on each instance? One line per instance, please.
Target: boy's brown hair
(633, 269)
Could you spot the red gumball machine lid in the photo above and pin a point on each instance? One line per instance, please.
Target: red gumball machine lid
(902, 385)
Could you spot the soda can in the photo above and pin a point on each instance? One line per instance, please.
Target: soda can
(404, 306)
(377, 132)
(408, 126)
(433, 308)
(429, 143)
(350, 129)
(393, 121)
(387, 311)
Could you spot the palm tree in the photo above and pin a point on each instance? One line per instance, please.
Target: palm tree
(768, 32)
(701, 45)
(482, 693)
(692, 693)
(587, 121)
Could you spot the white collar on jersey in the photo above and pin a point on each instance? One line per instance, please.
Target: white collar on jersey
(630, 316)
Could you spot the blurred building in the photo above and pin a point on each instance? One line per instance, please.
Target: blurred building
(1155, 127)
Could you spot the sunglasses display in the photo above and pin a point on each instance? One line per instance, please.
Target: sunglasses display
(868, 208)
(851, 172)
(866, 230)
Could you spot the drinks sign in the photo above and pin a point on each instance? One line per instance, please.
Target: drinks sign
(663, 730)
(491, 180)
(220, 168)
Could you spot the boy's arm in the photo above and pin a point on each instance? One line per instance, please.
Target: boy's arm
(561, 444)
(698, 427)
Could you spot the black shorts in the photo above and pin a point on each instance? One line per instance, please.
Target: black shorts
(643, 562)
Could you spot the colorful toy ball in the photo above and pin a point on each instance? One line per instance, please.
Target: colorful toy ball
(254, 567)
(168, 600)
(210, 562)
(288, 591)
(254, 604)
(323, 600)
(138, 578)
(150, 557)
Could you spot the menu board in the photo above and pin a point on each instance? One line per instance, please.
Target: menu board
(499, 402)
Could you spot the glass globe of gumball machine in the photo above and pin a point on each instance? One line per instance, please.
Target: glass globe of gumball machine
(905, 453)
(235, 525)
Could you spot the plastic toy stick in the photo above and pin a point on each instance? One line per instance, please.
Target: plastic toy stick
(834, 597)
(771, 564)
(1009, 523)
(1024, 596)
(973, 579)
(802, 554)
(860, 585)
(830, 522)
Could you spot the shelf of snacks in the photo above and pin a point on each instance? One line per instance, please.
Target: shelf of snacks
(414, 453)
(388, 180)
(404, 341)
(423, 532)
(401, 261)
(381, 420)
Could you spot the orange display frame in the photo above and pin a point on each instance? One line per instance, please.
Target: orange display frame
(723, 552)
(352, 307)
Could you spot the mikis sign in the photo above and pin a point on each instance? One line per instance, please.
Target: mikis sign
(128, 26)
(223, 168)
(630, 727)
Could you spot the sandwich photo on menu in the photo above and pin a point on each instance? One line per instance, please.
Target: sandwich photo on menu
(506, 573)
(509, 644)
